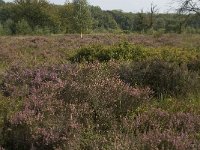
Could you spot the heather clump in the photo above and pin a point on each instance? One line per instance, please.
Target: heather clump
(164, 78)
(159, 129)
(194, 65)
(60, 102)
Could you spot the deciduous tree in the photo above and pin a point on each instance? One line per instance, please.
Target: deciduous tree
(82, 19)
(189, 6)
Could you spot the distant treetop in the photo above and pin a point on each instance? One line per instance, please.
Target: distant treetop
(2, 2)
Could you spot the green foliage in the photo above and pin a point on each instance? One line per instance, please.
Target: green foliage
(168, 71)
(165, 78)
(41, 31)
(124, 20)
(126, 51)
(8, 107)
(9, 27)
(23, 28)
(2, 2)
(34, 12)
(38, 30)
(82, 20)
(102, 53)
(103, 20)
(66, 15)
(159, 33)
(1, 29)
(6, 12)
(140, 22)
(79, 16)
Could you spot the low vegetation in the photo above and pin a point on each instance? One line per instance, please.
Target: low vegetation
(129, 52)
(100, 92)
(103, 80)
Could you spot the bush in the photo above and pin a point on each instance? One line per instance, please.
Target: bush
(125, 51)
(46, 30)
(41, 31)
(23, 28)
(1, 29)
(159, 129)
(60, 103)
(38, 30)
(8, 107)
(159, 33)
(9, 27)
(194, 65)
(164, 78)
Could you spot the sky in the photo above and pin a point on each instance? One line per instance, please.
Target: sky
(133, 5)
(127, 5)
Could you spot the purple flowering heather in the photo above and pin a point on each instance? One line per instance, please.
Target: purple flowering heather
(59, 102)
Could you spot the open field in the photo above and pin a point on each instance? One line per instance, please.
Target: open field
(104, 91)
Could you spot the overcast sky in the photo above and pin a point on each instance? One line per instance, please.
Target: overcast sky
(132, 5)
(127, 5)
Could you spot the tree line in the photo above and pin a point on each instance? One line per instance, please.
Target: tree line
(41, 17)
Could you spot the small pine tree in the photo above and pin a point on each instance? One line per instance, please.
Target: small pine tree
(23, 28)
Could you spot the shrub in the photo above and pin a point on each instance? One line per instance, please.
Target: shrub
(8, 107)
(23, 28)
(9, 27)
(59, 103)
(38, 30)
(159, 33)
(1, 29)
(126, 51)
(123, 51)
(46, 30)
(41, 30)
(164, 78)
(159, 129)
(194, 65)
(91, 54)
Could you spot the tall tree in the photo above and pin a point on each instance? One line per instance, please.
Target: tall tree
(34, 11)
(2, 2)
(153, 11)
(141, 22)
(82, 20)
(66, 15)
(189, 6)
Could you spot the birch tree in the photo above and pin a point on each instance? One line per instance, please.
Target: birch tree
(82, 20)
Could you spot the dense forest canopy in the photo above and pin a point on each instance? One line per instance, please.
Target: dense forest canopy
(41, 17)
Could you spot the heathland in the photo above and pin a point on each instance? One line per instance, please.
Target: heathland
(103, 91)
